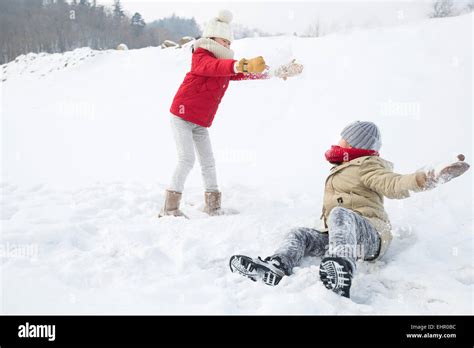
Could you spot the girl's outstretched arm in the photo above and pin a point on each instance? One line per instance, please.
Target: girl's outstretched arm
(205, 65)
(251, 76)
(284, 71)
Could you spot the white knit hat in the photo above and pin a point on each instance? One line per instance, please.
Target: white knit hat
(220, 26)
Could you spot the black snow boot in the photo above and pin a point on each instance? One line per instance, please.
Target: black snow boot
(336, 275)
(270, 270)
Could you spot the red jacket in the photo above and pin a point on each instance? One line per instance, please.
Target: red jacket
(200, 93)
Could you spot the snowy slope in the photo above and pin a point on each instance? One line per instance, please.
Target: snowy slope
(87, 153)
(42, 64)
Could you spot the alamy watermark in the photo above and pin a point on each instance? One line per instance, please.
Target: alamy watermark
(357, 251)
(28, 330)
(75, 109)
(28, 251)
(391, 108)
(236, 156)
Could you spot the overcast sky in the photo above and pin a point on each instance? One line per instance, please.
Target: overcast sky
(287, 16)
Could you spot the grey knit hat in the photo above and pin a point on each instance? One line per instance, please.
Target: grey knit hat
(363, 135)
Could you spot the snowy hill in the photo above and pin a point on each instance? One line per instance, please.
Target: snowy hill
(87, 152)
(41, 64)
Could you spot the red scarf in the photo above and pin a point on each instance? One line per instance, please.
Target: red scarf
(338, 155)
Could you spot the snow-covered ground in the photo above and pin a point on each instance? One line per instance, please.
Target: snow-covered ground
(87, 153)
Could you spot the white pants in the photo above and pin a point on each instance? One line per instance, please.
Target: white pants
(189, 136)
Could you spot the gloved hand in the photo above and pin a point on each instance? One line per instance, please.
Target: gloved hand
(254, 65)
(433, 178)
(288, 70)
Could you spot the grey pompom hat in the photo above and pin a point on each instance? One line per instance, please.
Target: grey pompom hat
(363, 135)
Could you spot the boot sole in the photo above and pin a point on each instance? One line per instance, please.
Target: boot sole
(331, 269)
(253, 270)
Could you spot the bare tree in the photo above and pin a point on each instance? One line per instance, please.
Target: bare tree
(470, 6)
(442, 8)
(314, 29)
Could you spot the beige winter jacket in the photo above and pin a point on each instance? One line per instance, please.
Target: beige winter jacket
(361, 184)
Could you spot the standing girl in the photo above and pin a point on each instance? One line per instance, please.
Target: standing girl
(195, 105)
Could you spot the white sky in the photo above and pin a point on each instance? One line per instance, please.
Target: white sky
(287, 16)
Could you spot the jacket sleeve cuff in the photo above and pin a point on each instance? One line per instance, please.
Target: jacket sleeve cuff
(236, 64)
(420, 180)
(416, 181)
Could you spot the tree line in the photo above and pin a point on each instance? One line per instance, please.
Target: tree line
(448, 8)
(56, 26)
(437, 9)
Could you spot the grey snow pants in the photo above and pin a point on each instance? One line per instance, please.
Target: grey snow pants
(350, 236)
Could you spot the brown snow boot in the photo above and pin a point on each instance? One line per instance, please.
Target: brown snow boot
(171, 207)
(213, 203)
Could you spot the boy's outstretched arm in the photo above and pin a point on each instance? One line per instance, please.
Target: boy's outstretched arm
(379, 177)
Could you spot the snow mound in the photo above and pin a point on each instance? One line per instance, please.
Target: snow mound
(40, 64)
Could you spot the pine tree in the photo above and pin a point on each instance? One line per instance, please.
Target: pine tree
(118, 11)
(137, 23)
